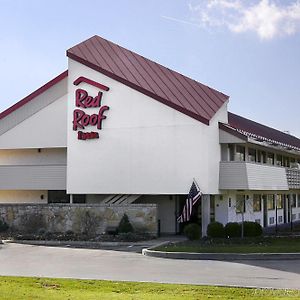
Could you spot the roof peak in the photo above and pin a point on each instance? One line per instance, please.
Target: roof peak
(146, 76)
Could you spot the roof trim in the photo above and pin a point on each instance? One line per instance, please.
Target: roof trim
(138, 88)
(232, 131)
(33, 95)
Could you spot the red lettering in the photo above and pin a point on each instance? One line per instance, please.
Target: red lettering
(87, 135)
(94, 119)
(85, 101)
(101, 117)
(81, 119)
(77, 115)
(80, 97)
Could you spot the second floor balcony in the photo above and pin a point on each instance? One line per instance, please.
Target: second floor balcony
(236, 175)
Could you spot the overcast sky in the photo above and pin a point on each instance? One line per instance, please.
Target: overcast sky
(250, 50)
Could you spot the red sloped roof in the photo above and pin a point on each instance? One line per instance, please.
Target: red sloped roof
(33, 95)
(258, 130)
(169, 87)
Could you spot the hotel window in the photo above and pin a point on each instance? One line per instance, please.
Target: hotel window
(298, 200)
(293, 203)
(286, 161)
(240, 153)
(79, 198)
(278, 160)
(271, 220)
(279, 201)
(270, 158)
(240, 203)
(251, 154)
(258, 156)
(256, 202)
(270, 202)
(264, 157)
(57, 196)
(231, 152)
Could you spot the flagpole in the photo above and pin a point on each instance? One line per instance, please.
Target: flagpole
(196, 183)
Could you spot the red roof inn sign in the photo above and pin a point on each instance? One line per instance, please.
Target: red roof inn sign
(83, 101)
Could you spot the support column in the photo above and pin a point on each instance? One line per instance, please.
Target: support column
(71, 198)
(205, 213)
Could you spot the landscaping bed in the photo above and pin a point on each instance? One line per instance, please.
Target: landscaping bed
(71, 236)
(236, 245)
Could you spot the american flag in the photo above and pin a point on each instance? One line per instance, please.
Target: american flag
(193, 197)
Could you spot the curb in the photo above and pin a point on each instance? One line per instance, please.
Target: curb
(221, 256)
(74, 243)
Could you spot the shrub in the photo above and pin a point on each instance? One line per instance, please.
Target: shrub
(215, 230)
(252, 229)
(233, 229)
(192, 231)
(125, 225)
(3, 226)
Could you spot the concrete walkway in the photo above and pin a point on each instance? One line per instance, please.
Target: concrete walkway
(42, 261)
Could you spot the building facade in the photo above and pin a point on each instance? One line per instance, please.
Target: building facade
(119, 129)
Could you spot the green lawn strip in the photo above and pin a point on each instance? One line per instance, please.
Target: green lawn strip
(43, 288)
(259, 245)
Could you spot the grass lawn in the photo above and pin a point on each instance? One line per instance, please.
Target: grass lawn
(246, 245)
(42, 288)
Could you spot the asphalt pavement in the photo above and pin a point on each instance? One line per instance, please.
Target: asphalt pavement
(64, 262)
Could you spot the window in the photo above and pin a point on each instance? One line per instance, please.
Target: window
(270, 202)
(271, 220)
(293, 217)
(58, 197)
(280, 219)
(258, 156)
(240, 203)
(278, 160)
(286, 161)
(270, 158)
(79, 198)
(257, 221)
(256, 202)
(279, 201)
(231, 152)
(264, 157)
(293, 200)
(240, 153)
(252, 155)
(298, 200)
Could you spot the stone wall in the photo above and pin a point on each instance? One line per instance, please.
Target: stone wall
(80, 218)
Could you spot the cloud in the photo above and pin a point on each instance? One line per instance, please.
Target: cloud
(267, 18)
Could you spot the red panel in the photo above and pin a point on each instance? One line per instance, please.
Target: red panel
(91, 82)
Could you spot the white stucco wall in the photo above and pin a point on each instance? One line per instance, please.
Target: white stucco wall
(46, 156)
(145, 147)
(22, 196)
(45, 129)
